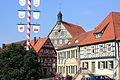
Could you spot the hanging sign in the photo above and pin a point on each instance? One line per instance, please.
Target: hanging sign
(36, 14)
(21, 13)
(22, 2)
(20, 27)
(36, 28)
(36, 3)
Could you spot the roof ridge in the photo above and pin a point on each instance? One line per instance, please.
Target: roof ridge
(101, 23)
(112, 20)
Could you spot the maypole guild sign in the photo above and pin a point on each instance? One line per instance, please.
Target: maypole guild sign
(36, 3)
(21, 14)
(21, 27)
(36, 14)
(36, 28)
(22, 2)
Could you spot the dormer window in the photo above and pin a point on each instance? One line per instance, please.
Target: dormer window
(98, 35)
(76, 41)
(69, 43)
(99, 32)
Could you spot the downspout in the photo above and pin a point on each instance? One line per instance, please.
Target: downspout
(118, 61)
(78, 55)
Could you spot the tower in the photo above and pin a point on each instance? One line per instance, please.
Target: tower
(59, 17)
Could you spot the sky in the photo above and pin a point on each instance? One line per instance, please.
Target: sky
(86, 13)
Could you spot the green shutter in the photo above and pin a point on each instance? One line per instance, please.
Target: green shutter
(112, 64)
(106, 64)
(87, 65)
(83, 64)
(98, 65)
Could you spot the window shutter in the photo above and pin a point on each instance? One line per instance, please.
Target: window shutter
(87, 65)
(83, 64)
(98, 65)
(106, 64)
(112, 64)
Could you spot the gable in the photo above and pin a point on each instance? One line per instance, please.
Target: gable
(58, 30)
(48, 48)
(39, 44)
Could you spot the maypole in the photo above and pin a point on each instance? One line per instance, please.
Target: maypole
(28, 25)
(36, 15)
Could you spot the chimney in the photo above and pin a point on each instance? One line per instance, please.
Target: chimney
(59, 21)
(35, 40)
(3, 46)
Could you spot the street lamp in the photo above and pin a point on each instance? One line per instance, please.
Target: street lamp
(36, 15)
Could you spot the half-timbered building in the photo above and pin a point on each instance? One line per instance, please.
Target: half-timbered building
(47, 54)
(63, 31)
(99, 49)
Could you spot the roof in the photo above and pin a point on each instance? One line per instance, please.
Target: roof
(19, 42)
(73, 29)
(111, 31)
(40, 42)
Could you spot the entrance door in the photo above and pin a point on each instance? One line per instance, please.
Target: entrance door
(45, 71)
(93, 67)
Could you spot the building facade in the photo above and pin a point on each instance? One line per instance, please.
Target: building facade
(47, 55)
(97, 50)
(62, 32)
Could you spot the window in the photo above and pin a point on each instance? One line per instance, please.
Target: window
(65, 54)
(93, 49)
(98, 35)
(76, 41)
(109, 47)
(58, 26)
(68, 54)
(110, 65)
(85, 65)
(72, 69)
(101, 65)
(63, 41)
(105, 47)
(101, 48)
(69, 69)
(62, 33)
(56, 33)
(72, 53)
(58, 41)
(69, 43)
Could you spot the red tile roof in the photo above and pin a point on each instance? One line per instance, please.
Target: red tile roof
(110, 27)
(19, 42)
(73, 29)
(111, 32)
(40, 42)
